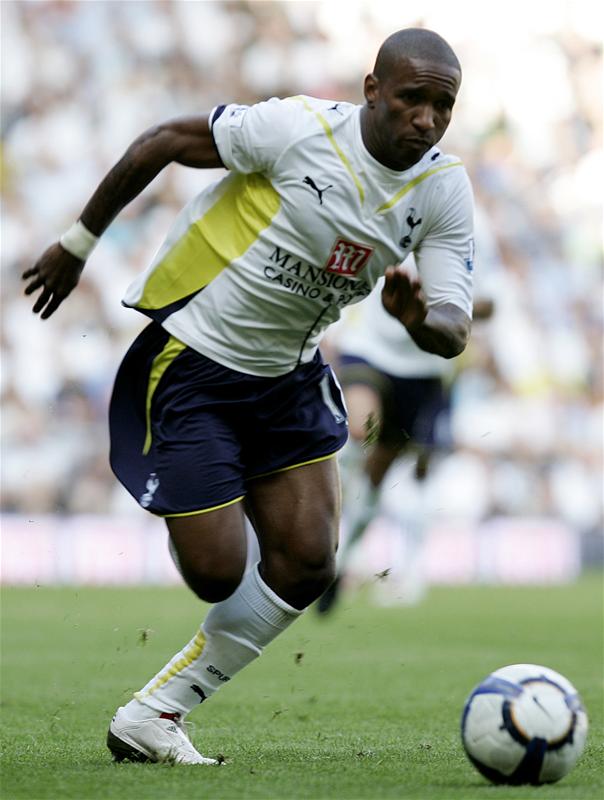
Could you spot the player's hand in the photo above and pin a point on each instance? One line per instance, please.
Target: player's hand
(57, 273)
(402, 297)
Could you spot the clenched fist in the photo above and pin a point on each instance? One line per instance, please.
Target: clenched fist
(402, 297)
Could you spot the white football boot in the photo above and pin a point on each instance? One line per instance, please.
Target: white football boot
(157, 739)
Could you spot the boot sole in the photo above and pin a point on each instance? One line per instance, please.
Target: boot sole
(122, 751)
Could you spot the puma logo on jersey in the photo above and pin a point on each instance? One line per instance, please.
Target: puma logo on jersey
(335, 108)
(315, 188)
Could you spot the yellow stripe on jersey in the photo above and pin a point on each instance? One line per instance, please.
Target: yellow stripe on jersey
(407, 188)
(160, 364)
(223, 234)
(192, 652)
(332, 140)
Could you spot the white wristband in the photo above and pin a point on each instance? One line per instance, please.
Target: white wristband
(79, 241)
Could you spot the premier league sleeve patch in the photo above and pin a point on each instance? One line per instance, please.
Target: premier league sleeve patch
(469, 259)
(236, 115)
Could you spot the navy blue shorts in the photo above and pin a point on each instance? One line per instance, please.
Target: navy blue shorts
(416, 409)
(188, 434)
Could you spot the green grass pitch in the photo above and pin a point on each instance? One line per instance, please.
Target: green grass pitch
(363, 704)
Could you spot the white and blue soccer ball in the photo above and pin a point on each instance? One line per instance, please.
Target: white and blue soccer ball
(524, 724)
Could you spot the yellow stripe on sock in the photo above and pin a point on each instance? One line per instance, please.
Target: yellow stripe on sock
(160, 364)
(190, 654)
(407, 188)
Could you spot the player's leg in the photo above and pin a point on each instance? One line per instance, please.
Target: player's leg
(418, 522)
(361, 509)
(232, 633)
(179, 455)
(360, 488)
(295, 513)
(405, 510)
(363, 461)
(425, 402)
(296, 516)
(376, 437)
(359, 493)
(210, 546)
(210, 550)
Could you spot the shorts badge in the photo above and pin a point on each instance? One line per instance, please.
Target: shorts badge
(151, 486)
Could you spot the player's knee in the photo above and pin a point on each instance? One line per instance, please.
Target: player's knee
(212, 582)
(210, 552)
(315, 568)
(324, 577)
(212, 587)
(303, 572)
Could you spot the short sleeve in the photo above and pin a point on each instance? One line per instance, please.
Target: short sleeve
(251, 138)
(445, 257)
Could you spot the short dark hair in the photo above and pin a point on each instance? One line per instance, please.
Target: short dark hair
(413, 43)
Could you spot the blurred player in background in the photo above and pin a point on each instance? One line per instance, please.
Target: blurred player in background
(223, 406)
(398, 401)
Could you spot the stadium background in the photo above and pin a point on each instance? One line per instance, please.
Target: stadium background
(520, 499)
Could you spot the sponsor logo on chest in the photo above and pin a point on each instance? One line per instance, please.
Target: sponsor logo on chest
(336, 282)
(348, 258)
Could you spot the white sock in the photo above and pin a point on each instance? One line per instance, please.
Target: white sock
(233, 634)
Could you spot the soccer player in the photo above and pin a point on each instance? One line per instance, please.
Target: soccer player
(398, 401)
(223, 406)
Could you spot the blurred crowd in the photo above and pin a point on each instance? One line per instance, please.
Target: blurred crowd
(82, 79)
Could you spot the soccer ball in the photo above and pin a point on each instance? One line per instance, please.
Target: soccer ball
(524, 724)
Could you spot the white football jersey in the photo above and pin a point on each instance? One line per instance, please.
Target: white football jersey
(260, 263)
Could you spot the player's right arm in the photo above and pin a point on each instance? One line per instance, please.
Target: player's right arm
(186, 141)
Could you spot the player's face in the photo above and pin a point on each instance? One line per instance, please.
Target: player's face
(408, 113)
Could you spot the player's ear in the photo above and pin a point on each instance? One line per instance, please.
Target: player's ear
(371, 89)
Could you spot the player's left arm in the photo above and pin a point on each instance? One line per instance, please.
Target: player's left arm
(443, 329)
(436, 306)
